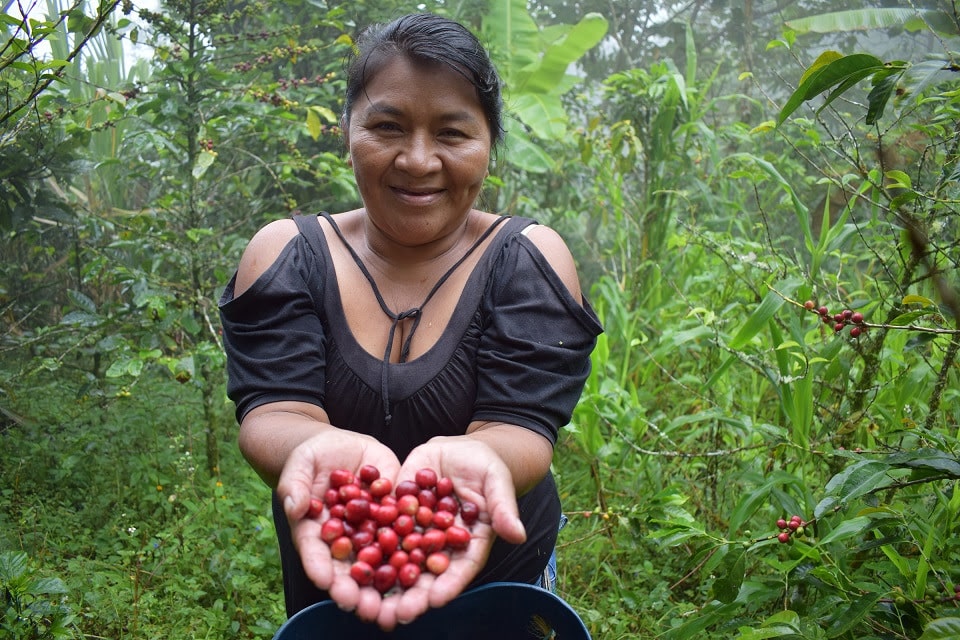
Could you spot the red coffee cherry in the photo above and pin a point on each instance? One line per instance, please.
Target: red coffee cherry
(426, 478)
(388, 540)
(371, 554)
(362, 573)
(457, 537)
(443, 519)
(404, 524)
(469, 512)
(408, 574)
(405, 488)
(427, 498)
(444, 487)
(408, 504)
(411, 541)
(448, 503)
(399, 558)
(381, 487)
(348, 492)
(437, 563)
(368, 473)
(340, 477)
(387, 514)
(331, 497)
(341, 548)
(433, 540)
(331, 530)
(384, 578)
(418, 557)
(358, 510)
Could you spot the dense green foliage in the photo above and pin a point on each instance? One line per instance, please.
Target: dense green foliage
(713, 171)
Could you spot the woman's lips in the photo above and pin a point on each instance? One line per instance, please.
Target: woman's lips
(418, 196)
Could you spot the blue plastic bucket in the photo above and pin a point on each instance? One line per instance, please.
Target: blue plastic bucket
(497, 611)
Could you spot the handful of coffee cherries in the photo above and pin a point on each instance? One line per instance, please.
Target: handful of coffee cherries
(391, 535)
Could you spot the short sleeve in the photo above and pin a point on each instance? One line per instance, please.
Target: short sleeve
(273, 336)
(534, 356)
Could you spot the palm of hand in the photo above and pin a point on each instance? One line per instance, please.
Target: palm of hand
(307, 474)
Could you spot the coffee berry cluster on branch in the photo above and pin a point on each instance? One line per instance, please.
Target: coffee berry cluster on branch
(390, 535)
(794, 526)
(839, 321)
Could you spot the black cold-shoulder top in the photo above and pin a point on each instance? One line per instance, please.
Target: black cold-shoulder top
(516, 349)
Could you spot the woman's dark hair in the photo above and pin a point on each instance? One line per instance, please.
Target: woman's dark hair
(427, 37)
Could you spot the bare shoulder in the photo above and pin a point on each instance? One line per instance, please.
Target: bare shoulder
(262, 251)
(555, 250)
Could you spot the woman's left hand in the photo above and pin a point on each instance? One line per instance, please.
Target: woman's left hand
(480, 476)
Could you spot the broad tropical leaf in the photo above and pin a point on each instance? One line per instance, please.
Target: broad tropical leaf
(866, 19)
(838, 75)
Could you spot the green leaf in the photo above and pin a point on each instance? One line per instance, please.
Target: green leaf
(799, 208)
(916, 299)
(942, 629)
(842, 73)
(730, 576)
(558, 57)
(884, 84)
(867, 19)
(544, 114)
(314, 116)
(926, 459)
(846, 529)
(314, 126)
(526, 154)
(203, 162)
(81, 319)
(858, 479)
(852, 616)
(757, 320)
(898, 180)
(822, 60)
(47, 586)
(919, 77)
(82, 301)
(513, 37)
(696, 625)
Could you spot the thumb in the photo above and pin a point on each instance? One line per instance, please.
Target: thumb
(504, 513)
(293, 487)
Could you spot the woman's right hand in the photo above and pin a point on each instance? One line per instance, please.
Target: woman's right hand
(306, 475)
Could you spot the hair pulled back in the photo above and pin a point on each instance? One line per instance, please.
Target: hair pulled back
(426, 37)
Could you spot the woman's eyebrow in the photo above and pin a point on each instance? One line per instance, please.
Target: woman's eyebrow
(385, 108)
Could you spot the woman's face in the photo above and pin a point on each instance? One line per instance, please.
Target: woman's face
(419, 144)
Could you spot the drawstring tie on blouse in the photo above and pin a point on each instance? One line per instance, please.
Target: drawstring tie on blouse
(416, 313)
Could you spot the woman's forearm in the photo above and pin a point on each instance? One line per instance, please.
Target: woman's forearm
(270, 432)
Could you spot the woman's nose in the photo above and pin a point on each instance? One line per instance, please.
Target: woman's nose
(419, 156)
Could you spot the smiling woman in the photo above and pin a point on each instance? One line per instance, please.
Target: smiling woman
(414, 332)
(419, 159)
